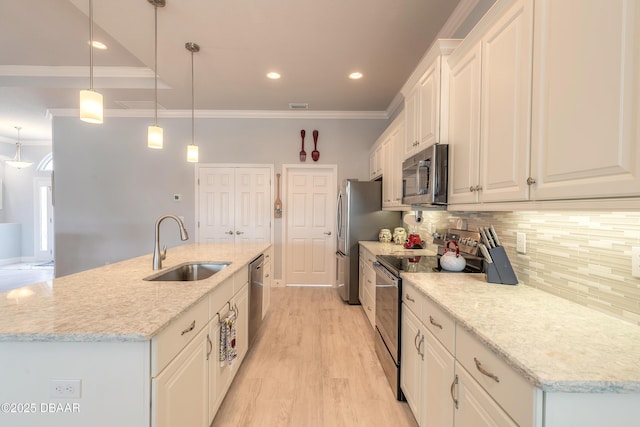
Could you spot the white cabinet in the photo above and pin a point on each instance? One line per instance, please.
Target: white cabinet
(180, 391)
(267, 281)
(367, 283)
(586, 100)
(489, 108)
(426, 99)
(188, 389)
(390, 145)
(427, 365)
(234, 204)
(375, 162)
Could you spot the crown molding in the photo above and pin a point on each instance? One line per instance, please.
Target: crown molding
(233, 114)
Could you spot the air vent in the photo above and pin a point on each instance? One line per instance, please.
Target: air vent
(298, 106)
(138, 105)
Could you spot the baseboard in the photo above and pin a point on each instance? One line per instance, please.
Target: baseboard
(7, 261)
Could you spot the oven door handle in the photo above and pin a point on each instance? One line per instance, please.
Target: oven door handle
(380, 269)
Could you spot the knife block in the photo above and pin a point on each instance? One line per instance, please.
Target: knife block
(500, 271)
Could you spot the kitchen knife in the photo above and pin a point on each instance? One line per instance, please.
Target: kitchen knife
(485, 239)
(486, 234)
(485, 253)
(495, 236)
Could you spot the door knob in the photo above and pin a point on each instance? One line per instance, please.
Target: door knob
(228, 232)
(328, 233)
(239, 232)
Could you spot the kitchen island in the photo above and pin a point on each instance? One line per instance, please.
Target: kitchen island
(91, 348)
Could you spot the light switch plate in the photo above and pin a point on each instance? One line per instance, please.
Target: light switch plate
(635, 261)
(521, 243)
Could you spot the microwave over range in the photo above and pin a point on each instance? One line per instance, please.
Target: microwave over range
(425, 176)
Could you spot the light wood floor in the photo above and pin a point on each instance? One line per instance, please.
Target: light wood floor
(17, 275)
(313, 364)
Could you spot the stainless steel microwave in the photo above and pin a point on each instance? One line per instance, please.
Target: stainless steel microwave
(425, 176)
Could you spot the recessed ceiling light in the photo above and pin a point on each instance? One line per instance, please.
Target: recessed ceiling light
(273, 75)
(355, 76)
(98, 45)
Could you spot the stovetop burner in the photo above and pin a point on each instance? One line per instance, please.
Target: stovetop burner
(423, 264)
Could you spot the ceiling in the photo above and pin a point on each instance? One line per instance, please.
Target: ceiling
(313, 44)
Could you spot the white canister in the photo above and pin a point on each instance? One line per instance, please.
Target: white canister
(399, 235)
(385, 235)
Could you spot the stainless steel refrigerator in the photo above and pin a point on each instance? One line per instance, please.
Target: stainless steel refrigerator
(359, 216)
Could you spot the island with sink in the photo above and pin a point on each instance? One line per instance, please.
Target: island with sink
(126, 345)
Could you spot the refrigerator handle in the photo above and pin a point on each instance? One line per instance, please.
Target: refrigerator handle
(339, 215)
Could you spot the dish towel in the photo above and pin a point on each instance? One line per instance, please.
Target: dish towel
(228, 352)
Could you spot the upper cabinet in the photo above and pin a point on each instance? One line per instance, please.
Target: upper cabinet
(425, 95)
(489, 107)
(586, 99)
(545, 107)
(386, 155)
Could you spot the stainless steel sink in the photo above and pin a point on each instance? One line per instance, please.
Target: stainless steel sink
(188, 272)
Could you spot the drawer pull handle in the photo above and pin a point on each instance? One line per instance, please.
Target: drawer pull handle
(410, 299)
(190, 328)
(434, 323)
(485, 372)
(210, 346)
(453, 386)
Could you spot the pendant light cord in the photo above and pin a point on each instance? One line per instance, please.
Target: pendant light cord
(91, 44)
(192, 103)
(155, 70)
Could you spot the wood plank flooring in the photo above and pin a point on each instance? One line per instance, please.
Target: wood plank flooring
(313, 364)
(17, 275)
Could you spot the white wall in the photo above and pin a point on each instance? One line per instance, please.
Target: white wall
(110, 188)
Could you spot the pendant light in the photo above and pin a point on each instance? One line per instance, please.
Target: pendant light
(155, 133)
(90, 100)
(192, 149)
(17, 161)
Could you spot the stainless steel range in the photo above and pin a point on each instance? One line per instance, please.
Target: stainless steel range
(389, 302)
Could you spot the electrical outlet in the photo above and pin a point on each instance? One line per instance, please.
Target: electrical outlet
(521, 243)
(65, 389)
(635, 261)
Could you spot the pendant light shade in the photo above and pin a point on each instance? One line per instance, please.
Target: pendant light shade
(90, 100)
(192, 149)
(155, 133)
(17, 161)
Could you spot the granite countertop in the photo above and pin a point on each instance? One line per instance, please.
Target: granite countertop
(379, 248)
(557, 345)
(114, 303)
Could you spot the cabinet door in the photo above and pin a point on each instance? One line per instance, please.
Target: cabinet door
(369, 304)
(411, 362)
(387, 172)
(436, 387)
(411, 108)
(220, 373)
(506, 106)
(361, 279)
(266, 286)
(180, 391)
(375, 162)
(464, 126)
(586, 99)
(475, 407)
(429, 106)
(241, 303)
(398, 139)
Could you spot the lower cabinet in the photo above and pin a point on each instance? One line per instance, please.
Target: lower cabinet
(189, 390)
(367, 283)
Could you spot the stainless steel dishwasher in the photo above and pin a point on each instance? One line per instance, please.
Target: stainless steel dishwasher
(256, 281)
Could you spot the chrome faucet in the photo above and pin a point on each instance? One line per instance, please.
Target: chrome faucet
(157, 255)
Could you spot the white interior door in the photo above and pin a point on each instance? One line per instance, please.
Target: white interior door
(216, 201)
(309, 218)
(234, 204)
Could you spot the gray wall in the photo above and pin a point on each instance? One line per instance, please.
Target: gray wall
(110, 188)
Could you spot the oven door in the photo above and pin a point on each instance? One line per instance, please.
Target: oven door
(387, 308)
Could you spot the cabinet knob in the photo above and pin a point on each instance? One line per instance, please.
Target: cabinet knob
(531, 181)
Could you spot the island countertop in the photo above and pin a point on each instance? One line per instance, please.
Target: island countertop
(114, 302)
(557, 345)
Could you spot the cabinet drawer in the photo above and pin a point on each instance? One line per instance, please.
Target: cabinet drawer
(508, 388)
(168, 343)
(440, 324)
(241, 278)
(413, 299)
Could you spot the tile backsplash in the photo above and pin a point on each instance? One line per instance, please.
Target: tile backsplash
(581, 256)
